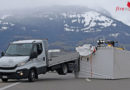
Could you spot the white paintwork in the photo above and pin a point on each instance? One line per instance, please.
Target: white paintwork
(11, 61)
(107, 63)
(54, 50)
(27, 41)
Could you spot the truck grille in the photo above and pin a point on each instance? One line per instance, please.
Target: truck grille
(7, 68)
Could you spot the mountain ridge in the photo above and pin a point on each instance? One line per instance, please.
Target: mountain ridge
(65, 27)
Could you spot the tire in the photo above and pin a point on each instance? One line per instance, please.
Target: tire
(63, 70)
(70, 71)
(4, 80)
(36, 76)
(32, 76)
(70, 67)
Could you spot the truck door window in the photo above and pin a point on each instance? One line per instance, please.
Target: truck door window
(39, 48)
(35, 48)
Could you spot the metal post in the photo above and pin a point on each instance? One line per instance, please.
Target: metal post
(77, 67)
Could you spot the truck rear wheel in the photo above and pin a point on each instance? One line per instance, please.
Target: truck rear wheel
(32, 76)
(4, 80)
(70, 67)
(63, 70)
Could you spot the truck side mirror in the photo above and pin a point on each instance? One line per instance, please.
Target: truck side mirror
(2, 53)
(33, 55)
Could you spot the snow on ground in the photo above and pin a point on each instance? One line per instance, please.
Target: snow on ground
(74, 20)
(12, 24)
(114, 25)
(50, 18)
(5, 16)
(127, 34)
(114, 35)
(3, 28)
(5, 23)
(67, 29)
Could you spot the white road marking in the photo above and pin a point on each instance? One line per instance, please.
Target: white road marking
(8, 86)
(88, 80)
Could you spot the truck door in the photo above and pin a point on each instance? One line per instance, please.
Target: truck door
(40, 60)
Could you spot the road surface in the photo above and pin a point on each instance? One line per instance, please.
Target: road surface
(53, 81)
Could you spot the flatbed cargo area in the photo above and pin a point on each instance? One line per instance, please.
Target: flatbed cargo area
(61, 57)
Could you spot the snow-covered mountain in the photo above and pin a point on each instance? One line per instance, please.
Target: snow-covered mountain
(65, 27)
(4, 25)
(90, 21)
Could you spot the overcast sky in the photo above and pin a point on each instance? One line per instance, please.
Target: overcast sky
(109, 5)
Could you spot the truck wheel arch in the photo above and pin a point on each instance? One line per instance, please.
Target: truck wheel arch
(35, 69)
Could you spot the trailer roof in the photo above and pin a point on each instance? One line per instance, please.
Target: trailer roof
(28, 41)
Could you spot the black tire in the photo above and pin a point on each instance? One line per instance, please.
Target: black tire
(70, 67)
(70, 71)
(36, 76)
(63, 70)
(59, 71)
(32, 76)
(4, 80)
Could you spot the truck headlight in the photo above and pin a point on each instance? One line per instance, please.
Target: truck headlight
(21, 64)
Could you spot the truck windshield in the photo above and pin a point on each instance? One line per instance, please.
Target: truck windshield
(19, 50)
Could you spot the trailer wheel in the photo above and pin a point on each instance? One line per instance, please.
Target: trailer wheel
(63, 70)
(4, 80)
(32, 76)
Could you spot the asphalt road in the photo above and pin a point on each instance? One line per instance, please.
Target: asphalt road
(52, 81)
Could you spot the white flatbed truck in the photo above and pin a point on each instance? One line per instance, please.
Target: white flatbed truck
(26, 59)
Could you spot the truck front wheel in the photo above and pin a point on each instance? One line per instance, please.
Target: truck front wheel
(32, 76)
(4, 80)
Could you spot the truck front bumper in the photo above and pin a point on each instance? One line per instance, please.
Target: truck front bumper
(19, 74)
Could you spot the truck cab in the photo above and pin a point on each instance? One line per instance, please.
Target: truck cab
(24, 59)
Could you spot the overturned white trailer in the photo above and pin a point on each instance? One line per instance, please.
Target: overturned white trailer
(106, 63)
